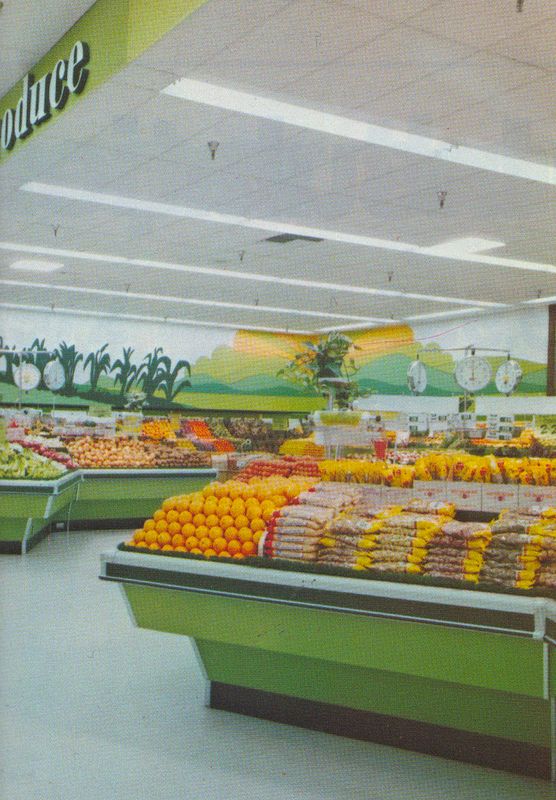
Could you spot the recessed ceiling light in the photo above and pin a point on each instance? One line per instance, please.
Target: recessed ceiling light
(237, 275)
(36, 265)
(300, 116)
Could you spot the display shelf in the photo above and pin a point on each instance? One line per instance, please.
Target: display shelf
(28, 507)
(141, 472)
(466, 674)
(87, 498)
(126, 496)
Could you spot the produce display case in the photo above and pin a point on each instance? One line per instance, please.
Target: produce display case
(128, 496)
(29, 506)
(469, 675)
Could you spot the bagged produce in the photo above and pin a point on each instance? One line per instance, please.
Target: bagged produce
(418, 505)
(457, 551)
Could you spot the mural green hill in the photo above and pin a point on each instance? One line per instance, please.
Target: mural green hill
(242, 376)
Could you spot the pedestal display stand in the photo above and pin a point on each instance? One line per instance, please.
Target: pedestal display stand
(462, 674)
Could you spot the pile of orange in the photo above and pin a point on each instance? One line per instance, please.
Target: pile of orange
(225, 519)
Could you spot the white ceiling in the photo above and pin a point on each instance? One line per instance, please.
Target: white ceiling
(473, 74)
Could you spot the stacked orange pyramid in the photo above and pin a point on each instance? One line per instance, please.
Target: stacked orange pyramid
(225, 519)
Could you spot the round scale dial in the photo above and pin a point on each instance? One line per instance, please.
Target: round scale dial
(27, 377)
(417, 377)
(53, 375)
(473, 373)
(508, 376)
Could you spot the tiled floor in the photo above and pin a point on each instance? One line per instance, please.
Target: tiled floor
(96, 709)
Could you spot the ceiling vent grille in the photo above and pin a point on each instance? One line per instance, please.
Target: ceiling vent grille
(284, 238)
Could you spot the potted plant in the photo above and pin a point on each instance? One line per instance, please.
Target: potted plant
(327, 368)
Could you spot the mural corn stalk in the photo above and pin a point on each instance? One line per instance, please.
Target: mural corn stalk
(126, 371)
(99, 362)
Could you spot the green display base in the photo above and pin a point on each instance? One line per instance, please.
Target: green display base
(130, 495)
(393, 651)
(87, 499)
(29, 507)
(434, 702)
(458, 745)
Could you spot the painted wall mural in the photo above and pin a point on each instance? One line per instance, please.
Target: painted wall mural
(184, 367)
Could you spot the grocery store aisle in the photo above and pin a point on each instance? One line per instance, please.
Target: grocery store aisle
(95, 708)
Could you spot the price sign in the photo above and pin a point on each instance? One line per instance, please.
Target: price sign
(418, 423)
(438, 423)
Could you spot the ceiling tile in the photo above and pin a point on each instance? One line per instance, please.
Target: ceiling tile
(303, 36)
(480, 24)
(431, 97)
(399, 10)
(369, 72)
(533, 45)
(210, 29)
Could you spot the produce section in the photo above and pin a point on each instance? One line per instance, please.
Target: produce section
(121, 453)
(17, 461)
(348, 527)
(131, 443)
(278, 349)
(458, 467)
(286, 467)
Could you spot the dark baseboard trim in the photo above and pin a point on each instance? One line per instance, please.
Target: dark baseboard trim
(422, 737)
(105, 524)
(38, 537)
(13, 547)
(10, 548)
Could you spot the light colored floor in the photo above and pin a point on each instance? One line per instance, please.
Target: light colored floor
(96, 709)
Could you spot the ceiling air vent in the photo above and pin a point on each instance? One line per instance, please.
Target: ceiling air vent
(283, 238)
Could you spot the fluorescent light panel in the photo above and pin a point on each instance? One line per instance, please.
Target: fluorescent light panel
(143, 318)
(541, 300)
(468, 244)
(354, 327)
(36, 265)
(458, 312)
(311, 119)
(232, 274)
(441, 314)
(184, 301)
(169, 209)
